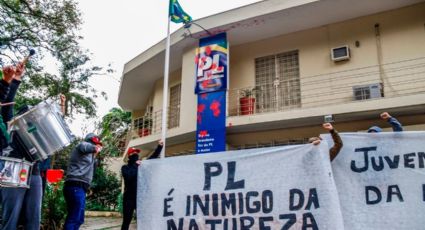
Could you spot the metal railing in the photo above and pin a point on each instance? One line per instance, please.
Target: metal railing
(394, 79)
(151, 123)
(279, 142)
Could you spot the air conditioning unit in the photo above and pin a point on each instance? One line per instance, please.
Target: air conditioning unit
(366, 92)
(340, 53)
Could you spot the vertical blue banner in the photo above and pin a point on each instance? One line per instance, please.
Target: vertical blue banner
(211, 122)
(211, 64)
(211, 86)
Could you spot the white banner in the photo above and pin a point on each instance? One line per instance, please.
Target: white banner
(273, 188)
(381, 180)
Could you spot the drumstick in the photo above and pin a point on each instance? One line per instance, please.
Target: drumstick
(7, 103)
(32, 52)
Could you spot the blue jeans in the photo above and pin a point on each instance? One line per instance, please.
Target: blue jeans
(25, 202)
(75, 198)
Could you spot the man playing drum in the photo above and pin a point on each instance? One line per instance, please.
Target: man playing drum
(15, 200)
(18, 201)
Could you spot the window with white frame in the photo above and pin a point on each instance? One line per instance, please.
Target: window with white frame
(277, 82)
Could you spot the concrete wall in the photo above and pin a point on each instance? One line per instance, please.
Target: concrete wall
(401, 37)
(188, 98)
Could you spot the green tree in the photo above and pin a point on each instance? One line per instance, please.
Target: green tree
(105, 188)
(72, 81)
(113, 131)
(50, 25)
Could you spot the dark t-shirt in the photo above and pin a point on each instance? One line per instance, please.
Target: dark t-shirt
(129, 173)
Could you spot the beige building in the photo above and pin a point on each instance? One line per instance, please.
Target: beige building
(298, 60)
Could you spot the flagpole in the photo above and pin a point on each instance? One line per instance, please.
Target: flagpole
(165, 90)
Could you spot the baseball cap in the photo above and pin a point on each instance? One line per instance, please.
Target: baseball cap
(132, 151)
(93, 138)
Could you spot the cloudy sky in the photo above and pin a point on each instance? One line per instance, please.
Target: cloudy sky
(115, 31)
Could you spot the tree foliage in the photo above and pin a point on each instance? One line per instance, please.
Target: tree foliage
(50, 27)
(41, 24)
(113, 131)
(72, 81)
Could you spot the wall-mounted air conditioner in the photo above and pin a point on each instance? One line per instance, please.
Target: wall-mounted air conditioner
(340, 53)
(365, 92)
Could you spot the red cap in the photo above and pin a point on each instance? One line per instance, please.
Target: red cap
(96, 140)
(132, 151)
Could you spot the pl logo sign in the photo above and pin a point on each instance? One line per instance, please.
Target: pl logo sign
(211, 85)
(211, 68)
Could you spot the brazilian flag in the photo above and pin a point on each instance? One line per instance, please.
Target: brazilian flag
(177, 14)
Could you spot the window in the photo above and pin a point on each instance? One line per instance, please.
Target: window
(367, 92)
(174, 109)
(362, 93)
(277, 81)
(265, 74)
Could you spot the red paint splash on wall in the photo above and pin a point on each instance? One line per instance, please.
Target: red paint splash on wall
(201, 108)
(199, 118)
(208, 50)
(215, 107)
(203, 133)
(205, 84)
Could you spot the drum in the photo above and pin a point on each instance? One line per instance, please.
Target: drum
(42, 130)
(14, 173)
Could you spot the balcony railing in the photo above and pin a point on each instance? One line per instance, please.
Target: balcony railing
(368, 83)
(394, 79)
(272, 143)
(151, 123)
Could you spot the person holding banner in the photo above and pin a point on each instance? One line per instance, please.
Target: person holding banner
(333, 152)
(129, 173)
(395, 124)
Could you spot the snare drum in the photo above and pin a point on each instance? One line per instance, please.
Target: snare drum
(42, 130)
(14, 173)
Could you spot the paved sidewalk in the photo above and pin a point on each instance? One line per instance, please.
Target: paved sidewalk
(97, 223)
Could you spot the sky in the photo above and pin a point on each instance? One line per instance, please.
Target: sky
(115, 31)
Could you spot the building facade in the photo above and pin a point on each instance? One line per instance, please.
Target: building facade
(291, 64)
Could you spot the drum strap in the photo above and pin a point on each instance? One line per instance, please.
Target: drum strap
(3, 130)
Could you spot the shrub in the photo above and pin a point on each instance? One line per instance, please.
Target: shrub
(53, 207)
(105, 189)
(120, 203)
